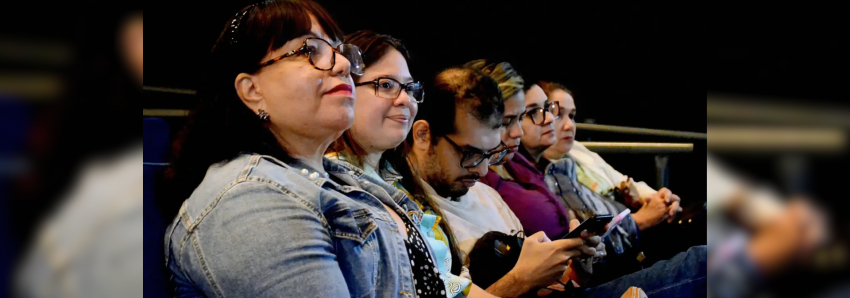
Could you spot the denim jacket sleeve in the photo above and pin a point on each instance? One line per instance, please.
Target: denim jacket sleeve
(290, 252)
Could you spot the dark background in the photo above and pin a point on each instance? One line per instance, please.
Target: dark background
(629, 64)
(789, 54)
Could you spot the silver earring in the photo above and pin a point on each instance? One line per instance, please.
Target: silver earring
(263, 115)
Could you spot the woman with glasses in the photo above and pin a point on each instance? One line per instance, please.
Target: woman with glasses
(681, 276)
(591, 170)
(259, 211)
(387, 101)
(518, 182)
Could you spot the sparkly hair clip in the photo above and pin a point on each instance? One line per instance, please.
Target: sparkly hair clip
(237, 20)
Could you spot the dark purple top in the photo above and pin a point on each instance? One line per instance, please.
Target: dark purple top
(537, 208)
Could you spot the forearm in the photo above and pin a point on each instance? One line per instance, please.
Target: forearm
(511, 285)
(640, 221)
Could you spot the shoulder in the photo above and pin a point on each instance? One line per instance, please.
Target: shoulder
(483, 189)
(250, 180)
(483, 193)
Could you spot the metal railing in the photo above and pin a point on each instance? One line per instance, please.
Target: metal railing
(661, 150)
(164, 112)
(639, 148)
(642, 131)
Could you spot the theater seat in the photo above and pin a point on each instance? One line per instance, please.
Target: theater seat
(14, 119)
(156, 144)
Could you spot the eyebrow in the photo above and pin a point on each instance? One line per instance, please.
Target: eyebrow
(333, 43)
(403, 80)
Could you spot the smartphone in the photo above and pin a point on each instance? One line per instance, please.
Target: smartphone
(616, 221)
(594, 224)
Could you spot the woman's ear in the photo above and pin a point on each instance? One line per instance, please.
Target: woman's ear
(421, 135)
(249, 91)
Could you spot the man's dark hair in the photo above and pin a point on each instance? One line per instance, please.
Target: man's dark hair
(460, 89)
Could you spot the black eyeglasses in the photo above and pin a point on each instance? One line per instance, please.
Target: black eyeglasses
(538, 115)
(472, 158)
(390, 89)
(322, 55)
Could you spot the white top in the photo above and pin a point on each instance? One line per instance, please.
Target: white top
(591, 161)
(479, 211)
(91, 246)
(760, 204)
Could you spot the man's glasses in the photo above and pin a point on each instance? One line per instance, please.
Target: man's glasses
(472, 158)
(390, 89)
(538, 115)
(322, 55)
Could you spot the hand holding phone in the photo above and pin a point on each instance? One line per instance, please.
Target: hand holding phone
(594, 224)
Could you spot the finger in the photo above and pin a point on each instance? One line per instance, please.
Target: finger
(570, 254)
(600, 252)
(573, 224)
(557, 287)
(673, 208)
(594, 241)
(588, 234)
(676, 197)
(538, 237)
(587, 250)
(665, 194)
(568, 244)
(545, 238)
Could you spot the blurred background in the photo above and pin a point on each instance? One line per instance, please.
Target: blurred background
(777, 115)
(70, 92)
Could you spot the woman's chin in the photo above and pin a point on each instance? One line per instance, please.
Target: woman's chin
(392, 139)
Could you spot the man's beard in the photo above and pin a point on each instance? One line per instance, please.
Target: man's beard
(439, 179)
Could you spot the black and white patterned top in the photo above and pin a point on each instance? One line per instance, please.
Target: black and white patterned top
(426, 276)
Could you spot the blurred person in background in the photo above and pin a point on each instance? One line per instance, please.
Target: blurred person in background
(753, 236)
(80, 208)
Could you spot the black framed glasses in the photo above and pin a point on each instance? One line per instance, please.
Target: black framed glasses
(389, 88)
(472, 158)
(322, 55)
(538, 115)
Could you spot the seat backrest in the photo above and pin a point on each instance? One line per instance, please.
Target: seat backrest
(156, 137)
(14, 121)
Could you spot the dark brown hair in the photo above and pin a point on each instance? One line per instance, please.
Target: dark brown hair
(549, 87)
(373, 47)
(222, 126)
